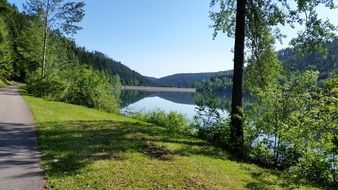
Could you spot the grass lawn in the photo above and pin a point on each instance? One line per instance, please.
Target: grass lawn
(88, 149)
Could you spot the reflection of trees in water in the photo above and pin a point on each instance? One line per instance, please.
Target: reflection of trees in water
(218, 99)
(128, 97)
(176, 97)
(132, 96)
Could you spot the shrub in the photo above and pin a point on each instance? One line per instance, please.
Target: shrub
(314, 168)
(158, 117)
(82, 87)
(89, 89)
(49, 87)
(216, 132)
(173, 121)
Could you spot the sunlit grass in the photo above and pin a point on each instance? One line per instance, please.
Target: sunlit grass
(88, 149)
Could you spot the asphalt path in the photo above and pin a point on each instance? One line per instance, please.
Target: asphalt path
(19, 156)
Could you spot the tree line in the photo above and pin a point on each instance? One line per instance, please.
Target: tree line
(36, 48)
(291, 61)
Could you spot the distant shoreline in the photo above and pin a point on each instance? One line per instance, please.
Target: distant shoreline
(159, 89)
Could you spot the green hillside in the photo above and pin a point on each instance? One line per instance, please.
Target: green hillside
(103, 63)
(188, 79)
(327, 64)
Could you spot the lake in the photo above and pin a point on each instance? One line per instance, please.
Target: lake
(136, 100)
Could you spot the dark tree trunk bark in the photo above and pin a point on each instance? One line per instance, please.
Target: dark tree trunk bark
(237, 136)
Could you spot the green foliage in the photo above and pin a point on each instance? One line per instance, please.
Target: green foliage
(173, 121)
(57, 15)
(263, 67)
(293, 125)
(89, 89)
(326, 64)
(28, 46)
(102, 63)
(293, 117)
(217, 84)
(51, 87)
(22, 50)
(6, 67)
(187, 79)
(313, 167)
(83, 87)
(210, 120)
(263, 15)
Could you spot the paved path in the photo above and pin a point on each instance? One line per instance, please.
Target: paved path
(19, 157)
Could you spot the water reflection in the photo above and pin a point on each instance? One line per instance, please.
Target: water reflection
(129, 97)
(185, 103)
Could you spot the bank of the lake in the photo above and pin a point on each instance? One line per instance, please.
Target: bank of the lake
(85, 148)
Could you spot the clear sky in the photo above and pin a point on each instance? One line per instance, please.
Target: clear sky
(159, 37)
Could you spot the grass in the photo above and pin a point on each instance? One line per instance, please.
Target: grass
(88, 149)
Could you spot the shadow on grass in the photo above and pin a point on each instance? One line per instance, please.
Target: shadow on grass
(69, 146)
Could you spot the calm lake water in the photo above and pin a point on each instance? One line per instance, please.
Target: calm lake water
(133, 101)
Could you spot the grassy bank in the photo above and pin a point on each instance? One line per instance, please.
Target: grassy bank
(87, 149)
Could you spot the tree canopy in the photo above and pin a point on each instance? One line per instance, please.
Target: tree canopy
(255, 24)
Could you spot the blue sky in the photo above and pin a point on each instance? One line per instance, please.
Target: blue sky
(159, 37)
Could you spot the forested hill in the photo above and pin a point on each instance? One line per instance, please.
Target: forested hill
(187, 79)
(327, 65)
(103, 63)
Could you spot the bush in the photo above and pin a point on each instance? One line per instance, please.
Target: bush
(211, 124)
(49, 87)
(158, 117)
(82, 87)
(314, 168)
(173, 121)
(88, 88)
(216, 132)
(177, 122)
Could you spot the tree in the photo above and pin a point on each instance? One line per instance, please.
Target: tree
(58, 16)
(236, 133)
(28, 42)
(249, 20)
(6, 68)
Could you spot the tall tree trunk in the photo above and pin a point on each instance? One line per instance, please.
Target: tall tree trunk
(45, 36)
(237, 136)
